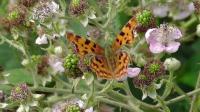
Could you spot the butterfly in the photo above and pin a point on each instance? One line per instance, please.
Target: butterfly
(111, 63)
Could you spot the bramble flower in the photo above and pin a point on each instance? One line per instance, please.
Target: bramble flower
(28, 3)
(71, 61)
(172, 64)
(145, 81)
(163, 39)
(44, 10)
(80, 9)
(145, 20)
(42, 40)
(197, 6)
(72, 64)
(16, 17)
(56, 64)
(20, 93)
(160, 10)
(71, 105)
(152, 71)
(182, 10)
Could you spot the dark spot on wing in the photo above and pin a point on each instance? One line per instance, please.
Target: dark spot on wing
(92, 49)
(85, 52)
(120, 42)
(77, 36)
(87, 42)
(98, 60)
(128, 25)
(117, 40)
(122, 33)
(94, 45)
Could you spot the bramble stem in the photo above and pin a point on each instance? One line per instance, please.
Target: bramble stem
(56, 90)
(179, 98)
(195, 95)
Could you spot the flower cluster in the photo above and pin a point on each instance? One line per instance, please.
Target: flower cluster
(163, 39)
(20, 93)
(45, 9)
(70, 105)
(152, 71)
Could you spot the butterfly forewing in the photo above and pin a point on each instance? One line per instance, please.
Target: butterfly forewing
(84, 46)
(126, 35)
(104, 67)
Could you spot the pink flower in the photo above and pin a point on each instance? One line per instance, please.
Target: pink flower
(163, 39)
(132, 72)
(182, 10)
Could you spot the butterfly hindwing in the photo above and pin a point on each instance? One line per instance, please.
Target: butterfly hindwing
(126, 35)
(100, 67)
(122, 60)
(84, 46)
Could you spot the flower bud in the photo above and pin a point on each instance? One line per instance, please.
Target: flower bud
(172, 64)
(25, 62)
(198, 30)
(58, 50)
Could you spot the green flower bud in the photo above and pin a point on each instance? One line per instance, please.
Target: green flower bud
(73, 108)
(71, 61)
(144, 17)
(172, 64)
(13, 15)
(198, 30)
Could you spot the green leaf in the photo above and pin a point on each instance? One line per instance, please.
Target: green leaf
(77, 27)
(18, 76)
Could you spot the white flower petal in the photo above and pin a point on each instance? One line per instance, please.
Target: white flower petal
(172, 47)
(92, 15)
(156, 48)
(84, 21)
(89, 109)
(148, 34)
(160, 11)
(175, 33)
(144, 94)
(56, 64)
(58, 50)
(80, 103)
(41, 40)
(133, 72)
(3, 105)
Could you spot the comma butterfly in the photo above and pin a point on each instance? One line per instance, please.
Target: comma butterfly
(105, 66)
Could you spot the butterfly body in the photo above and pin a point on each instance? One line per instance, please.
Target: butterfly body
(110, 62)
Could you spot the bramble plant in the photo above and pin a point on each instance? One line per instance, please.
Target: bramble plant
(99, 56)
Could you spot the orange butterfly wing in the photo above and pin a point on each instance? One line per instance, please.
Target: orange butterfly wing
(84, 46)
(126, 35)
(100, 66)
(122, 60)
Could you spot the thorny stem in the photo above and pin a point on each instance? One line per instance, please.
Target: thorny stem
(56, 90)
(107, 86)
(179, 98)
(195, 96)
(163, 104)
(119, 104)
(169, 85)
(61, 81)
